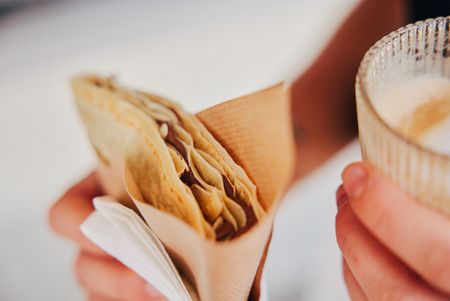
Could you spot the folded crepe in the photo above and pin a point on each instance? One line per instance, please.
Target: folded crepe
(178, 166)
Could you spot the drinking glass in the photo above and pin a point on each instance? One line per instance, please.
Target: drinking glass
(417, 49)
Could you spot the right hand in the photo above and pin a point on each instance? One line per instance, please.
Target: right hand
(394, 247)
(102, 276)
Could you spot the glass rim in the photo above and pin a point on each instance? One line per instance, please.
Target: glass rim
(361, 84)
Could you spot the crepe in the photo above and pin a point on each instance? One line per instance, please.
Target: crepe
(178, 166)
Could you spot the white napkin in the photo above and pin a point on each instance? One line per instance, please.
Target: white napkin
(120, 232)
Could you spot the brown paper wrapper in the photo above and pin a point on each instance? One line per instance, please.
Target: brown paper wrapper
(257, 132)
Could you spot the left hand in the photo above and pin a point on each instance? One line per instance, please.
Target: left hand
(100, 275)
(394, 248)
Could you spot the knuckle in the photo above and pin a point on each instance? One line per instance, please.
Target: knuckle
(57, 213)
(79, 270)
(344, 233)
(346, 236)
(54, 216)
(347, 277)
(346, 246)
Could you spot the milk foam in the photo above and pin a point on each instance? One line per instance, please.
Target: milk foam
(419, 108)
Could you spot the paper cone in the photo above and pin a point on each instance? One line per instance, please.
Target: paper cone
(256, 130)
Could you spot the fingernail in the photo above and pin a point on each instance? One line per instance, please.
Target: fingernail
(151, 291)
(341, 197)
(355, 179)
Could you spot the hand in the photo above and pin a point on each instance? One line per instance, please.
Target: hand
(393, 247)
(102, 276)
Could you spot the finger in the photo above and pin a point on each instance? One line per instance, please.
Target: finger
(109, 278)
(67, 214)
(379, 273)
(94, 297)
(417, 234)
(354, 290)
(353, 287)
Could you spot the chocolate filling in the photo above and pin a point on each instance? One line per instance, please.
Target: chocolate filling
(187, 177)
(176, 114)
(225, 230)
(249, 213)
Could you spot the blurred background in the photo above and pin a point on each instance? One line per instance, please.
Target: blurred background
(198, 53)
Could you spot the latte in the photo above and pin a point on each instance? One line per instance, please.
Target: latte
(419, 109)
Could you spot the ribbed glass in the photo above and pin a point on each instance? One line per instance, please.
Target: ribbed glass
(418, 49)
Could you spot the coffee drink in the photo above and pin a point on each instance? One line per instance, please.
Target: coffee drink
(403, 105)
(419, 109)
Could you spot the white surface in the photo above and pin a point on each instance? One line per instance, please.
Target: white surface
(200, 53)
(304, 262)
